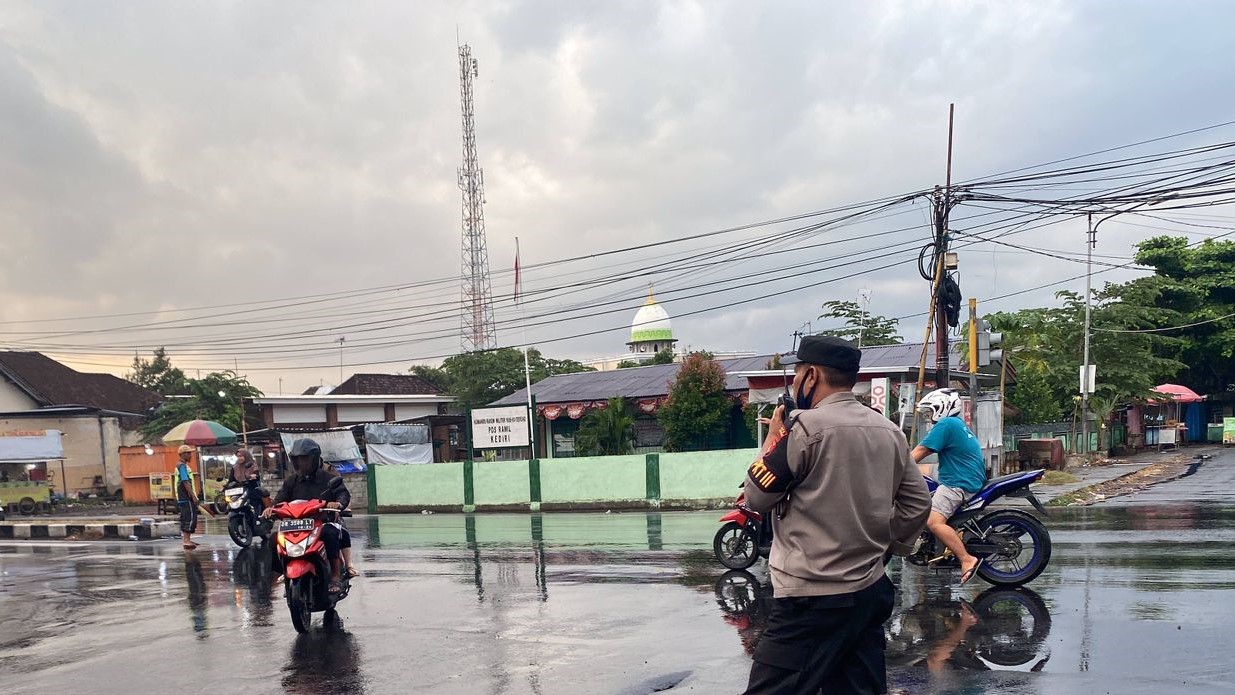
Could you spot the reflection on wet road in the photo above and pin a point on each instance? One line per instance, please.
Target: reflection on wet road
(1137, 599)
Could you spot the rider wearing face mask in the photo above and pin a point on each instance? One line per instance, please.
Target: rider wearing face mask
(848, 494)
(313, 482)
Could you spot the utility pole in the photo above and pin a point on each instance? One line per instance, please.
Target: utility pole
(1087, 370)
(864, 296)
(477, 329)
(1090, 242)
(937, 317)
(341, 341)
(973, 349)
(943, 205)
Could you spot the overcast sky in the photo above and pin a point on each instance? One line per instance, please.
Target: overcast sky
(157, 156)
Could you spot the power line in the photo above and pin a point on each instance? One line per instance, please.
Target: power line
(1160, 330)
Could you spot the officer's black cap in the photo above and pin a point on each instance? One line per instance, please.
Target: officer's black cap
(826, 351)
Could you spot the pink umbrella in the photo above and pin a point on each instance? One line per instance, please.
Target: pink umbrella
(1175, 393)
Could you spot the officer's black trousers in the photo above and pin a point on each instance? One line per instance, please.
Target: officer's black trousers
(828, 644)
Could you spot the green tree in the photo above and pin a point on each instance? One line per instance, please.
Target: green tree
(1103, 406)
(697, 410)
(1046, 344)
(1194, 286)
(627, 364)
(609, 431)
(216, 396)
(1033, 398)
(665, 356)
(434, 375)
(158, 374)
(859, 325)
(481, 377)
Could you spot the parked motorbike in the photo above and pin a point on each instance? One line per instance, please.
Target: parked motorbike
(244, 514)
(1013, 546)
(744, 538)
(306, 569)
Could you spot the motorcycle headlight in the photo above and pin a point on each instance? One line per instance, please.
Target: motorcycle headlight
(296, 549)
(235, 502)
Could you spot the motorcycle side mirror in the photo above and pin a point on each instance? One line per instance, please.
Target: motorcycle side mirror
(218, 480)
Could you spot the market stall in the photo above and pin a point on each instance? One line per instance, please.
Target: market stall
(1165, 425)
(27, 461)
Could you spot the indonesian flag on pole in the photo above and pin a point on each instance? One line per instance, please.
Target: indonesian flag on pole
(518, 275)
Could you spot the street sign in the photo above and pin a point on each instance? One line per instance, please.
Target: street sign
(161, 487)
(879, 394)
(906, 401)
(1088, 381)
(500, 428)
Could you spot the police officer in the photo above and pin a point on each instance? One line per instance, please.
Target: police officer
(847, 494)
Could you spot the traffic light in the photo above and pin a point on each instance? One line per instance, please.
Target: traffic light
(990, 345)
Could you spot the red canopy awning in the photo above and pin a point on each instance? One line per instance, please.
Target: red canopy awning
(1174, 393)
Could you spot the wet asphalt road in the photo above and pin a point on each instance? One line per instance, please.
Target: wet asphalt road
(1139, 598)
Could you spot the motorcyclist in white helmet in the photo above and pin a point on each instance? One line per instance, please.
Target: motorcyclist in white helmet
(962, 469)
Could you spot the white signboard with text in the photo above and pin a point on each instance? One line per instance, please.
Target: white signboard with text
(500, 428)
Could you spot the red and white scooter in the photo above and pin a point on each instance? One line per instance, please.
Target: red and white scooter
(306, 569)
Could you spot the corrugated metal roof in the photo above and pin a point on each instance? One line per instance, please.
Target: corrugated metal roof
(653, 380)
(636, 382)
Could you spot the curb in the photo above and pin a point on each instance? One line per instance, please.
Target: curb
(1088, 488)
(12, 530)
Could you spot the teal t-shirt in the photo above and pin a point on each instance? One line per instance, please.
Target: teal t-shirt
(182, 476)
(961, 463)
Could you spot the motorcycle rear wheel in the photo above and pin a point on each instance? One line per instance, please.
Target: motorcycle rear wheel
(299, 592)
(1020, 533)
(735, 546)
(240, 530)
(1014, 625)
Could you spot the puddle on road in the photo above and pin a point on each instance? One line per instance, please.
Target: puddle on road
(543, 604)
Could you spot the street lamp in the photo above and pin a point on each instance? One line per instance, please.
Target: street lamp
(1091, 242)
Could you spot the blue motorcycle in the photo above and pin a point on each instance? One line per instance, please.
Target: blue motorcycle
(1013, 545)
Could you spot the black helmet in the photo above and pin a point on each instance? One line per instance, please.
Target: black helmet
(310, 448)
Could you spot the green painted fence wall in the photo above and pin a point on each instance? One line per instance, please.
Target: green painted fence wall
(701, 475)
(501, 483)
(424, 486)
(594, 479)
(645, 481)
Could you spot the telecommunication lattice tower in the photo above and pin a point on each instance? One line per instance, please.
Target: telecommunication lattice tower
(477, 330)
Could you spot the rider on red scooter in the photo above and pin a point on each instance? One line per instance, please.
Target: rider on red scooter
(311, 482)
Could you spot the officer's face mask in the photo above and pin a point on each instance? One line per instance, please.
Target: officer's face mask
(804, 394)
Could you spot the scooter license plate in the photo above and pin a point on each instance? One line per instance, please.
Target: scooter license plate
(234, 491)
(296, 525)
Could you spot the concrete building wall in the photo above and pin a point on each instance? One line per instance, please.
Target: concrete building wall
(298, 414)
(13, 398)
(91, 448)
(352, 414)
(411, 412)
